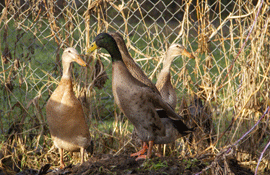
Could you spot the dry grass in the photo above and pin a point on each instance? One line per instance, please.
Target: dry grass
(224, 93)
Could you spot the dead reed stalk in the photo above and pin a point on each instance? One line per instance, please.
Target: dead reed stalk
(223, 92)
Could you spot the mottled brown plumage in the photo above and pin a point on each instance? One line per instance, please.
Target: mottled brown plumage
(136, 99)
(174, 128)
(65, 116)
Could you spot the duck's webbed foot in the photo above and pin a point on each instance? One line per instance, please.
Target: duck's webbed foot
(149, 151)
(142, 151)
(140, 157)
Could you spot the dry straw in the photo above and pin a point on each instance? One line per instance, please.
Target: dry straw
(223, 92)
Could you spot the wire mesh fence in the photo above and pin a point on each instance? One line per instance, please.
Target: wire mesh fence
(233, 87)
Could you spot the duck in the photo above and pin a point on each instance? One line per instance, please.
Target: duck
(64, 112)
(163, 83)
(137, 73)
(174, 128)
(168, 93)
(138, 101)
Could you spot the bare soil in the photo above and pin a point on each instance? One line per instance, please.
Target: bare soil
(124, 164)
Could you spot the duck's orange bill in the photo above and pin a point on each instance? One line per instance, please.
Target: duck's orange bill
(80, 61)
(186, 53)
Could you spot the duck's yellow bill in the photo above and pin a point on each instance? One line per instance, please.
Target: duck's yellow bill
(188, 54)
(92, 47)
(80, 61)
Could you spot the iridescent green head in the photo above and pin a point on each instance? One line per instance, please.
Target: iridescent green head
(106, 41)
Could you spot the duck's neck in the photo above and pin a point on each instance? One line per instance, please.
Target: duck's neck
(66, 70)
(114, 52)
(167, 62)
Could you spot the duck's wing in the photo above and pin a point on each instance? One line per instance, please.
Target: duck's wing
(138, 73)
(140, 110)
(177, 124)
(159, 103)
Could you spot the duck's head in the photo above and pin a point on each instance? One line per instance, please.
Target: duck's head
(71, 55)
(106, 41)
(178, 49)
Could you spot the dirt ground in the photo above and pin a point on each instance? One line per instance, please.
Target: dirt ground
(124, 164)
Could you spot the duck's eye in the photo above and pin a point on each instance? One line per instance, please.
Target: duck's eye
(69, 51)
(180, 47)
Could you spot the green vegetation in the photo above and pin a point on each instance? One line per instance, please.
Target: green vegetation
(231, 100)
(151, 165)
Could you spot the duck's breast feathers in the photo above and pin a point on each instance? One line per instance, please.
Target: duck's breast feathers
(122, 77)
(63, 101)
(65, 86)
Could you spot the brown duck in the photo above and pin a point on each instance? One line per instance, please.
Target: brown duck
(65, 116)
(174, 128)
(135, 99)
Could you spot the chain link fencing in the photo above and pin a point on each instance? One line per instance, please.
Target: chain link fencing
(232, 87)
